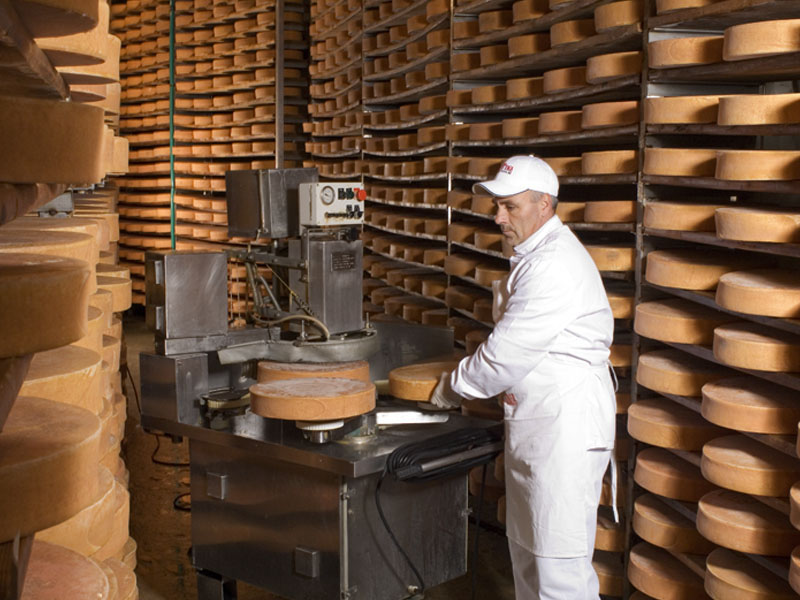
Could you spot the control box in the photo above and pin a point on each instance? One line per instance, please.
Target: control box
(326, 204)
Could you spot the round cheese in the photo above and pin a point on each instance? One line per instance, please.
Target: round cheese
(125, 577)
(559, 80)
(525, 87)
(564, 166)
(621, 304)
(763, 38)
(658, 573)
(486, 94)
(690, 269)
(739, 463)
(463, 297)
(731, 575)
(617, 14)
(755, 346)
(609, 536)
(560, 122)
(794, 506)
(740, 522)
(661, 422)
(69, 374)
(674, 372)
(49, 453)
(119, 527)
(750, 404)
(531, 43)
(96, 228)
(610, 211)
(567, 32)
(680, 162)
(685, 51)
(767, 292)
(523, 127)
(492, 55)
(663, 473)
(436, 317)
(58, 573)
(608, 162)
(128, 553)
(608, 567)
(678, 320)
(680, 110)
(758, 165)
(663, 526)
(525, 10)
(612, 258)
(486, 274)
(606, 67)
(665, 6)
(679, 216)
(610, 114)
(570, 212)
(417, 382)
(53, 295)
(494, 20)
(759, 109)
(312, 398)
(757, 224)
(273, 371)
(620, 355)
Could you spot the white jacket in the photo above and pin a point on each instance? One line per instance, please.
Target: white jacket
(548, 353)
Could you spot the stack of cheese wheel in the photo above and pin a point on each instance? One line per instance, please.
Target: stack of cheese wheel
(312, 391)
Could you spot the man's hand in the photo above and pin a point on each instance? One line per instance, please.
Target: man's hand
(443, 395)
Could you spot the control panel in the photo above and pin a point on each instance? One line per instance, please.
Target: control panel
(325, 204)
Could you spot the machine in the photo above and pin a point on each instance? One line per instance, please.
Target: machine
(285, 506)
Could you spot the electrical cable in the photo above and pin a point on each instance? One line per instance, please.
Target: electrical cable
(408, 463)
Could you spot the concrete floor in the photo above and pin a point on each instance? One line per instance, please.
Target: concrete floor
(163, 533)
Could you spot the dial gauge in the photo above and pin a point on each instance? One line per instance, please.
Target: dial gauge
(327, 195)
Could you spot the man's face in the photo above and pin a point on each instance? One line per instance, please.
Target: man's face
(521, 215)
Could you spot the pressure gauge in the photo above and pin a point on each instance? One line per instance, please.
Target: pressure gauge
(327, 195)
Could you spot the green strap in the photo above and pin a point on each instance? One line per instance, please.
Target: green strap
(172, 122)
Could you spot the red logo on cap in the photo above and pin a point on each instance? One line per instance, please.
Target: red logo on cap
(506, 168)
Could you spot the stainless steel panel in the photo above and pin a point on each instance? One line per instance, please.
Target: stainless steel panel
(263, 203)
(271, 508)
(191, 289)
(172, 385)
(406, 344)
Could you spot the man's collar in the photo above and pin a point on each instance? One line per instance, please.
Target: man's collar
(536, 238)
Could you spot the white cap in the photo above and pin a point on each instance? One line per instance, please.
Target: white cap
(518, 174)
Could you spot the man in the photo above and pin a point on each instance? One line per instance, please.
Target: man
(548, 356)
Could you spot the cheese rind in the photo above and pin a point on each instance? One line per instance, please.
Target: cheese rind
(663, 526)
(417, 382)
(679, 216)
(759, 109)
(689, 269)
(610, 114)
(752, 224)
(663, 473)
(612, 258)
(755, 346)
(661, 422)
(680, 162)
(763, 38)
(672, 110)
(273, 371)
(609, 162)
(767, 292)
(312, 398)
(731, 575)
(58, 573)
(685, 51)
(758, 165)
(656, 572)
(674, 372)
(678, 320)
(610, 211)
(750, 404)
(558, 80)
(617, 14)
(606, 67)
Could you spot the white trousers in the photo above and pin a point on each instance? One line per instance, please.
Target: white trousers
(542, 578)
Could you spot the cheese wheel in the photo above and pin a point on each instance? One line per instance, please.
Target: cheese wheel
(48, 456)
(606, 67)
(58, 573)
(617, 14)
(487, 94)
(52, 292)
(679, 216)
(678, 320)
(432, 104)
(740, 522)
(609, 536)
(690, 269)
(463, 297)
(532, 43)
(679, 110)
(525, 10)
(794, 508)
(610, 211)
(680, 162)
(491, 55)
(128, 553)
(608, 162)
(125, 577)
(608, 567)
(570, 212)
(768, 292)
(612, 258)
(661, 472)
(739, 463)
(758, 165)
(759, 109)
(55, 141)
(98, 229)
(757, 224)
(731, 575)
(675, 372)
(567, 32)
(610, 114)
(685, 51)
(417, 382)
(273, 371)
(69, 374)
(564, 166)
(312, 398)
(89, 529)
(494, 20)
(119, 528)
(560, 122)
(485, 131)
(658, 573)
(486, 274)
(621, 304)
(763, 38)
(525, 87)
(750, 404)
(465, 29)
(661, 422)
(663, 526)
(559, 80)
(620, 355)
(755, 346)
(665, 6)
(523, 127)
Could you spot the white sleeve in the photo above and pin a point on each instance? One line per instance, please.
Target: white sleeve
(535, 313)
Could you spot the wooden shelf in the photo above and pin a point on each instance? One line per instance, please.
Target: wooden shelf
(606, 136)
(409, 178)
(411, 124)
(619, 39)
(439, 301)
(356, 83)
(408, 204)
(471, 280)
(414, 65)
(338, 111)
(769, 68)
(342, 154)
(397, 18)
(413, 152)
(721, 15)
(621, 88)
(326, 75)
(408, 262)
(321, 36)
(434, 87)
(770, 187)
(469, 315)
(699, 237)
(732, 130)
(424, 236)
(474, 248)
(417, 35)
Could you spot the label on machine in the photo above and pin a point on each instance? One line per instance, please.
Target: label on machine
(326, 204)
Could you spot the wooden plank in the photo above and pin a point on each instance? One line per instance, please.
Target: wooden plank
(721, 15)
(769, 68)
(699, 237)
